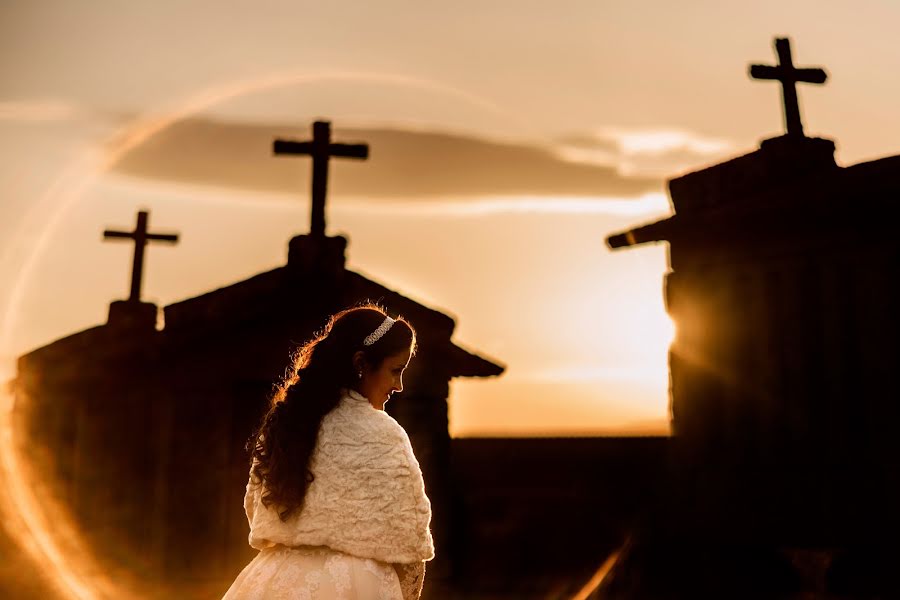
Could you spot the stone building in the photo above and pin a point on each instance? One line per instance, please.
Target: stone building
(783, 285)
(145, 429)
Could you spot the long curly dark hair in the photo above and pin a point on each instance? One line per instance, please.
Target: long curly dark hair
(282, 446)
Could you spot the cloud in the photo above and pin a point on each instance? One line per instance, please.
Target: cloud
(36, 111)
(648, 204)
(403, 164)
(660, 152)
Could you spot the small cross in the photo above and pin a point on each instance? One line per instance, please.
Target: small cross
(140, 237)
(321, 149)
(788, 75)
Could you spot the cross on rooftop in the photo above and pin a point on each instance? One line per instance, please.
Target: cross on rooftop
(788, 75)
(321, 149)
(141, 237)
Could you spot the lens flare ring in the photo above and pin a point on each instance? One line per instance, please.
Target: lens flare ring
(36, 524)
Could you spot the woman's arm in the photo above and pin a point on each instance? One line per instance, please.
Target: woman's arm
(412, 576)
(249, 494)
(249, 504)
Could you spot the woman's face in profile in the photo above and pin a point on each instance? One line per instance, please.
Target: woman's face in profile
(378, 384)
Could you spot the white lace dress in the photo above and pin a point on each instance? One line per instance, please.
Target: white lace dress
(319, 573)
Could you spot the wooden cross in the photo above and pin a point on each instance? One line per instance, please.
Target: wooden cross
(321, 149)
(140, 237)
(788, 75)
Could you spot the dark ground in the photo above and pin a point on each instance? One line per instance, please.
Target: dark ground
(537, 517)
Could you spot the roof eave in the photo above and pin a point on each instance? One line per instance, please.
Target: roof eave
(467, 364)
(653, 232)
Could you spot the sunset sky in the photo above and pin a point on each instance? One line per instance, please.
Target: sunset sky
(507, 139)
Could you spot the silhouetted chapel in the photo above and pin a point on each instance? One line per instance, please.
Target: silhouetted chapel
(144, 428)
(785, 371)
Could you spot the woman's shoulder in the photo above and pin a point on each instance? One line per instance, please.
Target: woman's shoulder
(390, 427)
(349, 417)
(363, 440)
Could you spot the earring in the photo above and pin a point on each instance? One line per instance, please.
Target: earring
(359, 374)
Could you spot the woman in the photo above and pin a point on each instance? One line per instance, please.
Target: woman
(335, 501)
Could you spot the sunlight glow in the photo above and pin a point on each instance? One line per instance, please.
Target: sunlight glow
(660, 141)
(643, 152)
(24, 521)
(585, 373)
(488, 205)
(600, 574)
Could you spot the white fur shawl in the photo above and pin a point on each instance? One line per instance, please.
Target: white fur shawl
(367, 499)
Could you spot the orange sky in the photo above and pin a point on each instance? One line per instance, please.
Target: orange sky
(505, 144)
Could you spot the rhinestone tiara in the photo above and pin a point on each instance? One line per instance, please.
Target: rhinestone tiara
(376, 335)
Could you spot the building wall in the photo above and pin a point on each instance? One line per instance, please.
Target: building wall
(784, 372)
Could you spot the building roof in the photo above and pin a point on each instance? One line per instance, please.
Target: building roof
(271, 301)
(796, 179)
(273, 294)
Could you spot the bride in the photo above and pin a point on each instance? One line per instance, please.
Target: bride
(335, 499)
